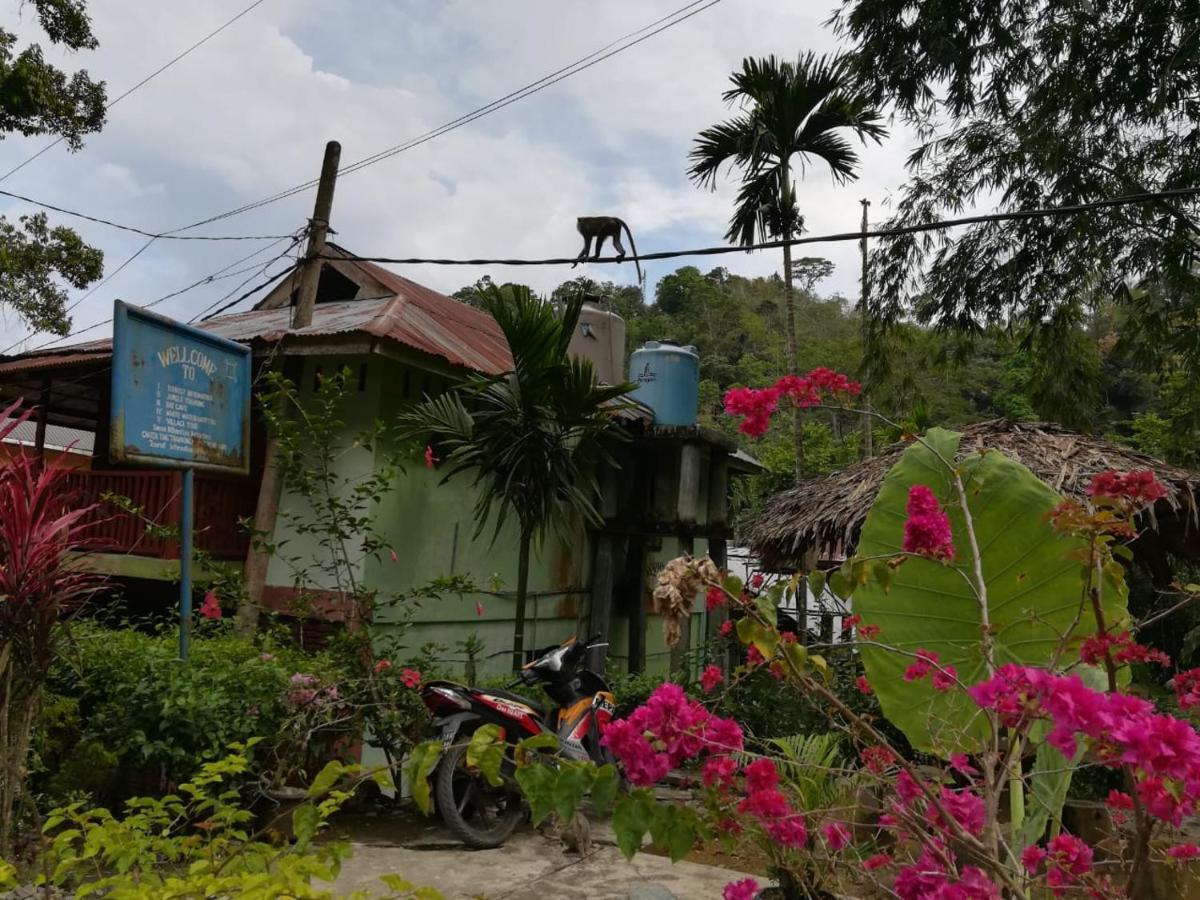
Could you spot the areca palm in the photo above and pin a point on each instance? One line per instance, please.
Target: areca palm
(787, 111)
(534, 438)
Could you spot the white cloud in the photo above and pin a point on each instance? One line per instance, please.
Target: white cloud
(248, 114)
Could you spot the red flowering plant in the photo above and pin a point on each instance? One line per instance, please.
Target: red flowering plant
(990, 617)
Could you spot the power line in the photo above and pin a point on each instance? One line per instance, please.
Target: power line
(166, 235)
(574, 68)
(204, 40)
(1040, 213)
(214, 276)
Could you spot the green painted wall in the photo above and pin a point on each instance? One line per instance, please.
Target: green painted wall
(433, 529)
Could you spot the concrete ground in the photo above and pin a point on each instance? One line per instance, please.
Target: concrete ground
(528, 867)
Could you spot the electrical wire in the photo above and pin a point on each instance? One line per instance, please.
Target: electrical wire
(574, 68)
(162, 235)
(1015, 215)
(214, 276)
(205, 314)
(204, 40)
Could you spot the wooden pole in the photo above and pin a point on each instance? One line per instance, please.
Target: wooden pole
(270, 487)
(864, 311)
(318, 229)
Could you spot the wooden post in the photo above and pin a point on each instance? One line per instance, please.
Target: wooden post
(864, 310)
(318, 229)
(39, 440)
(270, 487)
(637, 607)
(604, 574)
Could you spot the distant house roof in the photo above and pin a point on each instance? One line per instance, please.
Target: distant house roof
(354, 297)
(70, 440)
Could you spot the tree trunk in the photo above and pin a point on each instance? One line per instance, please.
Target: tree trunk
(522, 592)
(789, 303)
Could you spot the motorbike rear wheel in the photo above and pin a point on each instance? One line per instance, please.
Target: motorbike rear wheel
(480, 815)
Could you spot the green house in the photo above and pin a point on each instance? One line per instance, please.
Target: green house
(402, 341)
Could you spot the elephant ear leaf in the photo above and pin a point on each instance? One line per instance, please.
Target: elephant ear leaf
(1033, 577)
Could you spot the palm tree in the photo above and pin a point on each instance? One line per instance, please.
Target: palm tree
(533, 438)
(786, 110)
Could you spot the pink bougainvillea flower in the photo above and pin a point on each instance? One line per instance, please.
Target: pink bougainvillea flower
(1183, 851)
(776, 671)
(382, 666)
(411, 678)
(726, 628)
(753, 656)
(478, 609)
(837, 835)
(767, 805)
(756, 580)
(211, 607)
(1139, 487)
(667, 730)
(789, 831)
(714, 598)
(862, 684)
(877, 758)
(392, 553)
(961, 763)
(1187, 688)
(718, 771)
(944, 678)
(755, 407)
(1121, 649)
(849, 622)
(878, 861)
(746, 889)
(1032, 857)
(430, 459)
(926, 660)
(867, 632)
(761, 775)
(927, 529)
(711, 677)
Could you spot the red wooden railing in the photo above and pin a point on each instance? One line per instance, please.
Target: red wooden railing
(220, 502)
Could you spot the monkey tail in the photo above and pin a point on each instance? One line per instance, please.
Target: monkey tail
(633, 247)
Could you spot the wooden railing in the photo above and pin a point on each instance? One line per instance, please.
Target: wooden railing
(220, 503)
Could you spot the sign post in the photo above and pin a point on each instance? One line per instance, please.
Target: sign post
(180, 400)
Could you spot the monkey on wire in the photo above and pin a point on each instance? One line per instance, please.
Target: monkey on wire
(601, 228)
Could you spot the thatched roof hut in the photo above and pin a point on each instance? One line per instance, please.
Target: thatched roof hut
(820, 519)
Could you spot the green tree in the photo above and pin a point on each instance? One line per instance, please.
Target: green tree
(1032, 104)
(534, 438)
(787, 111)
(36, 99)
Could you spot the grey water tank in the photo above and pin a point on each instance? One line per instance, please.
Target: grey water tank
(600, 337)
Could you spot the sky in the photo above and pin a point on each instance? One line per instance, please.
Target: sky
(248, 114)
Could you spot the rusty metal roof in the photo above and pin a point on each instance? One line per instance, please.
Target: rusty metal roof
(415, 316)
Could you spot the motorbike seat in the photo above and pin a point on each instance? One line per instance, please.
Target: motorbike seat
(539, 708)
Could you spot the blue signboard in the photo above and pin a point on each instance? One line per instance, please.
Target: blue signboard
(180, 396)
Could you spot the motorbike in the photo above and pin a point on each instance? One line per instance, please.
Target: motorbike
(482, 815)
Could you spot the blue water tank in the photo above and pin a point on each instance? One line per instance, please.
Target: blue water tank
(668, 381)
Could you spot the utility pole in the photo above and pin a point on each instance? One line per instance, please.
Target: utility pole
(266, 509)
(864, 311)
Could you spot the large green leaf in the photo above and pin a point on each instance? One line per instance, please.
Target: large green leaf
(1034, 579)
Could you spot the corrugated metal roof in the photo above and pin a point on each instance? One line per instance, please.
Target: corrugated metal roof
(57, 437)
(415, 317)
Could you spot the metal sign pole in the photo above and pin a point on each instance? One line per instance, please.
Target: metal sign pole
(185, 563)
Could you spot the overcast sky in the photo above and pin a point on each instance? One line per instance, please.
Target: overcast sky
(249, 113)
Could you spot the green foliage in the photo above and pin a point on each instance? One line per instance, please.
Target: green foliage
(202, 842)
(787, 109)
(532, 439)
(37, 98)
(1031, 572)
(981, 82)
(159, 715)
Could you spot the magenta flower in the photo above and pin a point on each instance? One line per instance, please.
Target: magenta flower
(837, 835)
(746, 889)
(927, 530)
(211, 607)
(411, 678)
(710, 678)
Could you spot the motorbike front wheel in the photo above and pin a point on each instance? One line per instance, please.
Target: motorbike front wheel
(480, 815)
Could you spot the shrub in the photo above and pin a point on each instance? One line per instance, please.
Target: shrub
(158, 714)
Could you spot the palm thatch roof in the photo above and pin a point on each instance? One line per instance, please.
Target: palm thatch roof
(821, 518)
